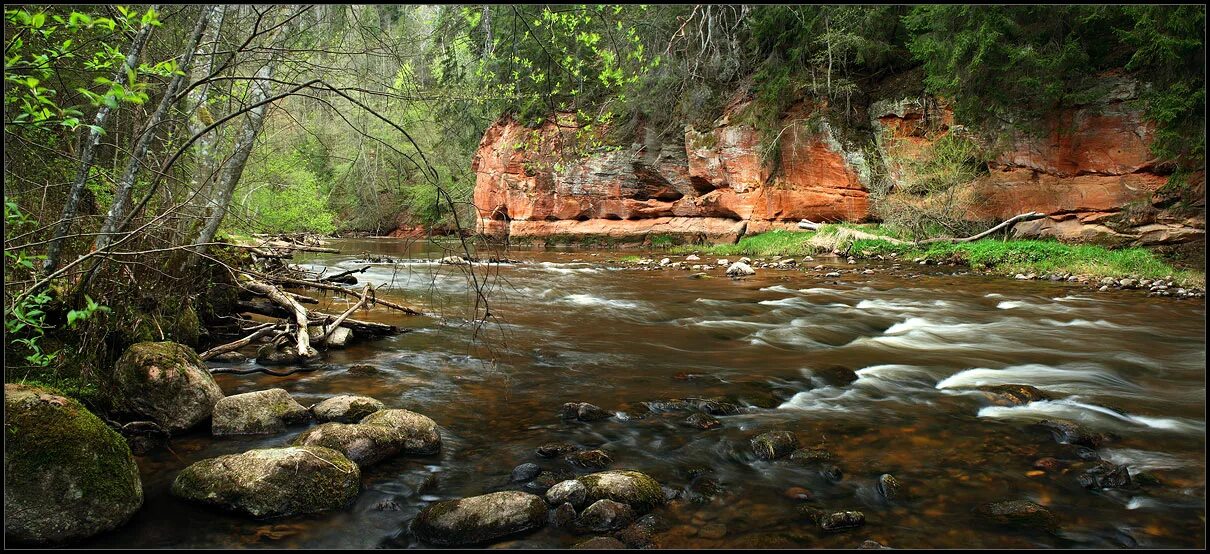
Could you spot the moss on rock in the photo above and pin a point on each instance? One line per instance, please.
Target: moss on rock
(67, 476)
(636, 489)
(417, 434)
(479, 519)
(167, 383)
(272, 482)
(257, 413)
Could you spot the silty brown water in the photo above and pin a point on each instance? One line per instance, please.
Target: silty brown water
(569, 326)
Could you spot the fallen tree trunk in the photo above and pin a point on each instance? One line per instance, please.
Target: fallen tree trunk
(1006, 223)
(326, 286)
(299, 313)
(340, 277)
(263, 330)
(267, 309)
(328, 329)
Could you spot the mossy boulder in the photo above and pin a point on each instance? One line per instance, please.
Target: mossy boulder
(67, 476)
(272, 482)
(257, 413)
(774, 444)
(364, 444)
(346, 408)
(479, 519)
(1019, 513)
(167, 383)
(1013, 395)
(628, 487)
(416, 433)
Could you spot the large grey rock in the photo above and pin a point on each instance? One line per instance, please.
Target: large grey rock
(628, 487)
(346, 408)
(272, 482)
(417, 434)
(570, 491)
(479, 519)
(381, 435)
(257, 413)
(67, 476)
(167, 383)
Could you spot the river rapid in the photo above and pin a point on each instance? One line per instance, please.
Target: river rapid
(783, 345)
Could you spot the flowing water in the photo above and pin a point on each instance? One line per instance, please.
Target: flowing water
(569, 326)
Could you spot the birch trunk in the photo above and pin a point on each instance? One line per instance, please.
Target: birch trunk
(88, 151)
(135, 162)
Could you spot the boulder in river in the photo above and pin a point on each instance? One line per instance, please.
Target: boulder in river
(479, 519)
(257, 413)
(417, 434)
(570, 491)
(810, 456)
(740, 269)
(583, 411)
(67, 476)
(272, 482)
(1105, 475)
(889, 487)
(702, 421)
(524, 473)
(604, 515)
(636, 489)
(833, 521)
(167, 383)
(364, 444)
(346, 408)
(774, 444)
(1018, 513)
(553, 449)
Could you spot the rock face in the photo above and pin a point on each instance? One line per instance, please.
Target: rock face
(66, 475)
(1091, 171)
(713, 184)
(479, 519)
(257, 413)
(272, 482)
(167, 383)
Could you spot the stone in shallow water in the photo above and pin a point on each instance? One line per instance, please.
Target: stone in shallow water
(569, 491)
(629, 487)
(1018, 513)
(67, 475)
(832, 521)
(774, 444)
(1013, 395)
(889, 487)
(808, 456)
(272, 482)
(1070, 432)
(590, 459)
(704, 422)
(346, 408)
(605, 515)
(257, 413)
(583, 411)
(525, 472)
(167, 383)
(479, 519)
(600, 543)
(417, 433)
(553, 449)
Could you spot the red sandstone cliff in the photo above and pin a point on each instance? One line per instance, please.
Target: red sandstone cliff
(1092, 173)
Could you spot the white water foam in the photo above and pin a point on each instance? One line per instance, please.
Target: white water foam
(1099, 416)
(597, 301)
(1072, 379)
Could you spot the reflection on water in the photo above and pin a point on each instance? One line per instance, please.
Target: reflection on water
(566, 327)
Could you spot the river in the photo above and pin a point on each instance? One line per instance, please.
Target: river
(570, 326)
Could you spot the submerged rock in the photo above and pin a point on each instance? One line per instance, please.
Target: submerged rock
(701, 421)
(362, 369)
(1105, 475)
(524, 472)
(167, 383)
(257, 413)
(272, 482)
(346, 408)
(1070, 432)
(630, 487)
(589, 459)
(604, 515)
(600, 543)
(583, 411)
(889, 487)
(1013, 395)
(833, 521)
(1018, 513)
(553, 449)
(67, 476)
(809, 456)
(479, 519)
(774, 444)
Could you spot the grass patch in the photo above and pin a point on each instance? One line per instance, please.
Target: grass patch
(999, 256)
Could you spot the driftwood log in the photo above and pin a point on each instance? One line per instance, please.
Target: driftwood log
(296, 310)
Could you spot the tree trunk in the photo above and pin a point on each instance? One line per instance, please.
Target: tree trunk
(134, 163)
(200, 118)
(88, 151)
